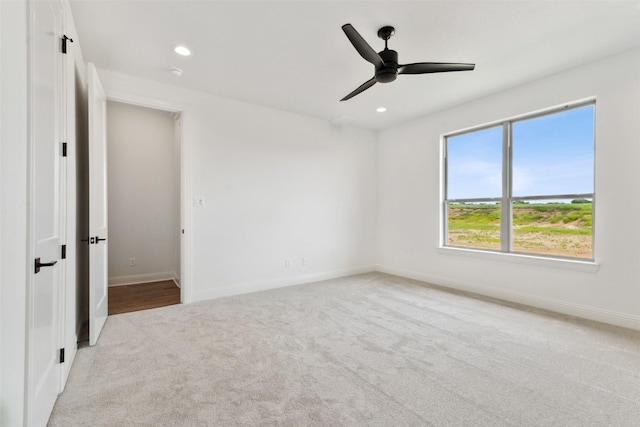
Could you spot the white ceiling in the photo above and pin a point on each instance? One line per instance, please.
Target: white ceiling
(293, 55)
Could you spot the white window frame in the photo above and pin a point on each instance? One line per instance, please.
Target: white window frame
(507, 199)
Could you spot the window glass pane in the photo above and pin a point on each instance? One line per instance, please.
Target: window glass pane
(474, 225)
(553, 154)
(554, 227)
(474, 164)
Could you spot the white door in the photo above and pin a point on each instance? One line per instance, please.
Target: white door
(46, 115)
(98, 227)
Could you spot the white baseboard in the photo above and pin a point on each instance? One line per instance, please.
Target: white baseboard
(143, 278)
(586, 312)
(245, 288)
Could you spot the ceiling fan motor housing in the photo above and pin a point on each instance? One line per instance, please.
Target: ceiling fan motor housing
(389, 71)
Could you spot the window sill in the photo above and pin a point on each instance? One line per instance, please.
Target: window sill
(538, 261)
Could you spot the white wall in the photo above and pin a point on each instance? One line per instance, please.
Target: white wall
(276, 185)
(13, 209)
(409, 198)
(143, 208)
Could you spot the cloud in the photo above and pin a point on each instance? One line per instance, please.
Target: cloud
(555, 177)
(523, 180)
(473, 178)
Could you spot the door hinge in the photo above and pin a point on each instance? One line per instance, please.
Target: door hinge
(63, 255)
(64, 43)
(64, 149)
(62, 355)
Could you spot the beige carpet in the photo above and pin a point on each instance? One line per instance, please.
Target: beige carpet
(371, 350)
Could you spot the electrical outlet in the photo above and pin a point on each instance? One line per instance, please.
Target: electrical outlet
(287, 263)
(305, 261)
(132, 262)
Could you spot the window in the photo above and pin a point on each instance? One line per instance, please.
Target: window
(524, 185)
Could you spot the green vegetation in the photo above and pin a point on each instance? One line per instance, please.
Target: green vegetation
(555, 228)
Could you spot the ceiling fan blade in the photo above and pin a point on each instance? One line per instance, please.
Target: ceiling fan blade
(366, 85)
(433, 67)
(362, 46)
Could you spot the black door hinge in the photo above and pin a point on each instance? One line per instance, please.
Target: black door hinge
(62, 355)
(64, 252)
(64, 43)
(64, 149)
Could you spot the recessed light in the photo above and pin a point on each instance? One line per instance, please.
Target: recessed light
(381, 109)
(181, 50)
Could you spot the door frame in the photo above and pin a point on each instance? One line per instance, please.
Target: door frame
(186, 291)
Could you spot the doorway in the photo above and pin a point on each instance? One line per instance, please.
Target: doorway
(143, 170)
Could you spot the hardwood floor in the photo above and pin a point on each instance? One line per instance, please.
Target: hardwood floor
(128, 298)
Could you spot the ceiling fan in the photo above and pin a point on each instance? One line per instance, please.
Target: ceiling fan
(386, 61)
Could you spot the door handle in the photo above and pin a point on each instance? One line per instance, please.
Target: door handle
(98, 239)
(39, 264)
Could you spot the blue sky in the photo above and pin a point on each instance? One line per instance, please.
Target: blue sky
(552, 154)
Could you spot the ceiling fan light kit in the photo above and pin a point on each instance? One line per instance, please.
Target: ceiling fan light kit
(386, 61)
